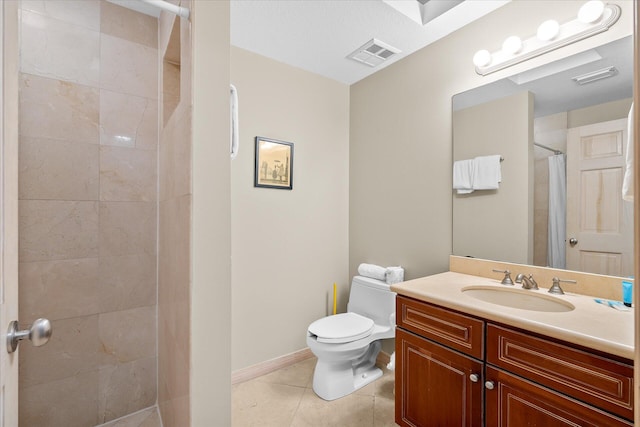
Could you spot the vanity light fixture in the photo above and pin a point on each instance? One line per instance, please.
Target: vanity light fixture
(594, 17)
(548, 30)
(512, 45)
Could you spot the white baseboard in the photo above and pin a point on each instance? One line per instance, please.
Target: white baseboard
(263, 368)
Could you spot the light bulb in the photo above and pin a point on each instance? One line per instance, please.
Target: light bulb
(591, 11)
(548, 30)
(512, 45)
(482, 58)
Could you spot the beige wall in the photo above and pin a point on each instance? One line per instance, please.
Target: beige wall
(599, 113)
(400, 145)
(288, 247)
(505, 127)
(87, 188)
(210, 332)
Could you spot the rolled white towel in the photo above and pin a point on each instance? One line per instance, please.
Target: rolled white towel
(372, 271)
(394, 275)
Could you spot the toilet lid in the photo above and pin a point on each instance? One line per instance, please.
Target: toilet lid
(341, 328)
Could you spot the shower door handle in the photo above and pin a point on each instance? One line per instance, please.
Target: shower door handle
(573, 241)
(38, 333)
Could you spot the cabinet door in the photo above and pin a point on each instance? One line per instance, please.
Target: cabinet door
(435, 386)
(514, 402)
(594, 379)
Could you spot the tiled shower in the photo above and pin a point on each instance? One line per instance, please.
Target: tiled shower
(92, 140)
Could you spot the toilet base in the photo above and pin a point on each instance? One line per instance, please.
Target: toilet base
(335, 379)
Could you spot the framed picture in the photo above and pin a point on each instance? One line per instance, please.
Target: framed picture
(274, 164)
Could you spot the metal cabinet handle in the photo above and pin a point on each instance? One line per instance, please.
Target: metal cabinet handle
(489, 385)
(39, 334)
(474, 378)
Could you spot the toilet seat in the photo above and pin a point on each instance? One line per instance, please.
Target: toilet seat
(341, 328)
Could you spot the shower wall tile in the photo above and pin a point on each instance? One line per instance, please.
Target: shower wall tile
(175, 412)
(64, 289)
(58, 49)
(128, 335)
(60, 170)
(173, 344)
(88, 225)
(127, 282)
(127, 174)
(74, 349)
(85, 13)
(47, 405)
(175, 155)
(126, 388)
(56, 109)
(52, 229)
(185, 61)
(128, 120)
(127, 228)
(170, 89)
(128, 67)
(174, 274)
(124, 23)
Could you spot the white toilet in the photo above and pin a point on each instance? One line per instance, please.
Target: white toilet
(348, 344)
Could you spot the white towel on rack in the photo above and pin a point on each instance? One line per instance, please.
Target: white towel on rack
(463, 176)
(627, 181)
(486, 173)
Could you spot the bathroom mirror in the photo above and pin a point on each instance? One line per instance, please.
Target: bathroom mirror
(527, 118)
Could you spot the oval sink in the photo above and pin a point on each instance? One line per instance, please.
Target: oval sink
(518, 298)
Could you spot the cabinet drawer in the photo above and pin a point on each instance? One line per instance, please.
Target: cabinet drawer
(592, 378)
(514, 402)
(455, 330)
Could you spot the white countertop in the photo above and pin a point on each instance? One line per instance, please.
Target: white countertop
(590, 324)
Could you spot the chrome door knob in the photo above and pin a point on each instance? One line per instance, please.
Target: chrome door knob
(474, 378)
(489, 385)
(39, 334)
(573, 241)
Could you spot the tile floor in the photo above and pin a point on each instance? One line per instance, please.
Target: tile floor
(285, 398)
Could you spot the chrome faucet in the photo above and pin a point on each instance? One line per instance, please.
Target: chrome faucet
(527, 282)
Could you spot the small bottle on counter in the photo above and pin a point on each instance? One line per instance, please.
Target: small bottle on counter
(627, 292)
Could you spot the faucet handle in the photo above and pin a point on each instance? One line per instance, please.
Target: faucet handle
(507, 277)
(534, 284)
(555, 288)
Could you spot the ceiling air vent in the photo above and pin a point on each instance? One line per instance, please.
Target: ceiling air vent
(373, 53)
(593, 76)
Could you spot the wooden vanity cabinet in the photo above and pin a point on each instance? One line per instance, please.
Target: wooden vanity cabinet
(516, 402)
(439, 367)
(445, 377)
(449, 397)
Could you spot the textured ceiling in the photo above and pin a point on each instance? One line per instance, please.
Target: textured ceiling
(317, 35)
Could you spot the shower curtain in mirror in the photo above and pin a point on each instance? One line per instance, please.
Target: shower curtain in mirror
(557, 211)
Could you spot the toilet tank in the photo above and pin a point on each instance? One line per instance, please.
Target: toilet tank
(373, 299)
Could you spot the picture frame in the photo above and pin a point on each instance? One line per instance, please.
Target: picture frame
(273, 164)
